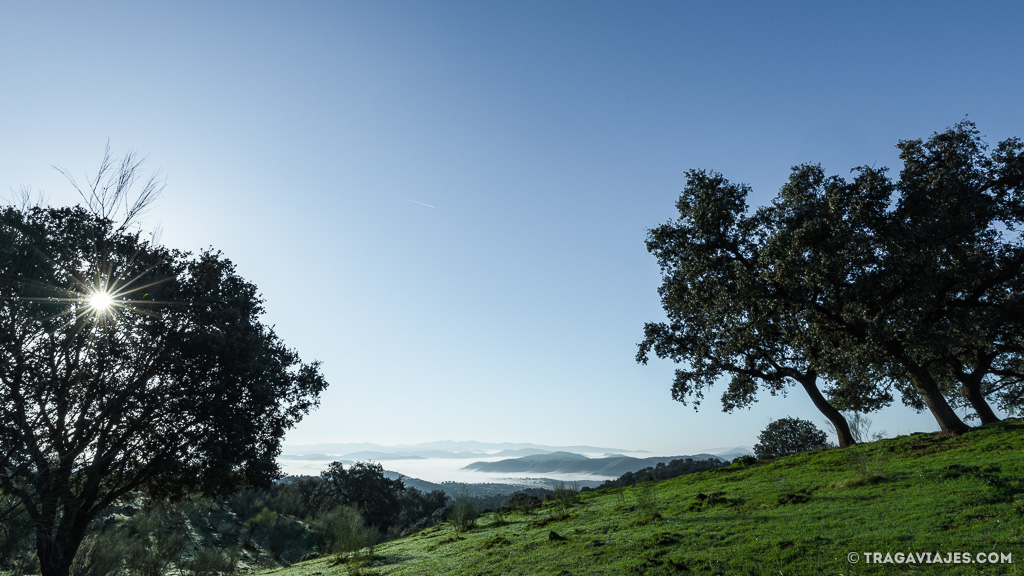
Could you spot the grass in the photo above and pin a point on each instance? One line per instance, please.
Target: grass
(798, 515)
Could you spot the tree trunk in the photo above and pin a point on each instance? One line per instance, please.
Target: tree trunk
(57, 542)
(810, 384)
(973, 393)
(54, 555)
(933, 398)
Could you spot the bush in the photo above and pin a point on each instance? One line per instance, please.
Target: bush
(101, 554)
(342, 531)
(565, 497)
(647, 501)
(523, 503)
(153, 556)
(418, 509)
(745, 460)
(17, 545)
(156, 540)
(463, 513)
(211, 562)
(789, 436)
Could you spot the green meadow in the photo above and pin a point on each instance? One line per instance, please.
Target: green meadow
(933, 501)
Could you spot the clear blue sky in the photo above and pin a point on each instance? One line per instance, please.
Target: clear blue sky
(446, 202)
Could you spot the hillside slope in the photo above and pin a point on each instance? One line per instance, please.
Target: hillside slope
(808, 514)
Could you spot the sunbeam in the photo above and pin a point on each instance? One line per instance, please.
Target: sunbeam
(101, 301)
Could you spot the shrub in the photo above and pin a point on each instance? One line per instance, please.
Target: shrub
(342, 532)
(155, 541)
(211, 562)
(17, 544)
(564, 497)
(647, 501)
(101, 554)
(789, 436)
(463, 513)
(745, 460)
(523, 503)
(228, 530)
(153, 556)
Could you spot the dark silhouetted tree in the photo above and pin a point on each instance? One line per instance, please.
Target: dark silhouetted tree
(922, 278)
(725, 317)
(787, 436)
(125, 365)
(871, 285)
(364, 485)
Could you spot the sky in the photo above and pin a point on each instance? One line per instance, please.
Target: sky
(446, 202)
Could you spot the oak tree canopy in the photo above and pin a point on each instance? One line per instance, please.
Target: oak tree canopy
(126, 366)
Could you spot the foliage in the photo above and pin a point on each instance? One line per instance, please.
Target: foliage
(365, 486)
(102, 553)
(16, 554)
(725, 315)
(210, 561)
(664, 471)
(647, 501)
(418, 508)
(524, 503)
(745, 460)
(787, 436)
(177, 388)
(462, 513)
(870, 284)
(565, 497)
(342, 531)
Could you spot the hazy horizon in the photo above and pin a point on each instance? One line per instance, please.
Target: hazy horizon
(295, 462)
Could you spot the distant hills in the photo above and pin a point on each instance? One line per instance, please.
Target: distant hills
(354, 451)
(527, 464)
(570, 463)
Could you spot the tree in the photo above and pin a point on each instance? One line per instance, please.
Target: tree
(364, 485)
(869, 284)
(725, 315)
(919, 281)
(787, 436)
(128, 366)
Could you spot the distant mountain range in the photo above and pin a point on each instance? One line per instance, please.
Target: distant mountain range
(570, 463)
(355, 451)
(537, 460)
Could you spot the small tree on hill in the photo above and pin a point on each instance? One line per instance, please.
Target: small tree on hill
(789, 436)
(365, 487)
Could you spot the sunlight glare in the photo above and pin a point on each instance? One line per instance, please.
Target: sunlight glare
(101, 301)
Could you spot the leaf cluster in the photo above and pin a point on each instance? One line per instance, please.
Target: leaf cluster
(178, 388)
(871, 284)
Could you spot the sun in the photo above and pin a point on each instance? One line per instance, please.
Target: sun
(101, 301)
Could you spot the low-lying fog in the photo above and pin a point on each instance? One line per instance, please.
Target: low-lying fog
(435, 469)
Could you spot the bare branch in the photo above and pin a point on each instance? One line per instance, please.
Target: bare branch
(22, 198)
(111, 193)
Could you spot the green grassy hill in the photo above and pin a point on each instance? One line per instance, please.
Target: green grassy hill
(805, 514)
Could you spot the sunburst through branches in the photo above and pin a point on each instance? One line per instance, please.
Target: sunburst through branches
(101, 301)
(104, 298)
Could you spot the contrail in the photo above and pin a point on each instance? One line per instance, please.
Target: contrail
(420, 203)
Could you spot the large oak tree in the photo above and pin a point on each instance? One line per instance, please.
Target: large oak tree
(874, 284)
(726, 316)
(128, 366)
